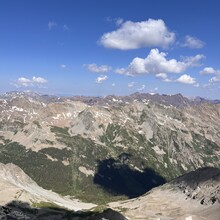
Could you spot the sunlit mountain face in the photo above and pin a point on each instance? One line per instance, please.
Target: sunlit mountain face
(115, 146)
(106, 149)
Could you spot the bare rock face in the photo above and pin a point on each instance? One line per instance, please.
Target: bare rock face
(194, 196)
(51, 138)
(202, 185)
(17, 185)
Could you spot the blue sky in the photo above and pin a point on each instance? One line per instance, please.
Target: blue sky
(102, 47)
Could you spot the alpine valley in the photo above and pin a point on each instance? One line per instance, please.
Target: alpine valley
(55, 151)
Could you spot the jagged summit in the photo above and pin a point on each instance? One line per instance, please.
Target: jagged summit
(176, 100)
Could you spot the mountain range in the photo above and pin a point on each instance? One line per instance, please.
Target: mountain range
(104, 149)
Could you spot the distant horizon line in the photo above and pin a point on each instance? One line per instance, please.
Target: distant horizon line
(103, 96)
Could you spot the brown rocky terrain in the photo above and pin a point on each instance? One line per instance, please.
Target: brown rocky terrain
(101, 149)
(193, 196)
(16, 185)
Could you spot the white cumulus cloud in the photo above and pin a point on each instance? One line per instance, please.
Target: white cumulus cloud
(187, 79)
(193, 60)
(209, 70)
(22, 81)
(214, 79)
(193, 42)
(98, 69)
(161, 75)
(134, 35)
(39, 80)
(120, 70)
(157, 63)
(25, 82)
(101, 79)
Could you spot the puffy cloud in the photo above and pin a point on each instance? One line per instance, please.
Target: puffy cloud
(51, 25)
(161, 75)
(157, 63)
(209, 70)
(120, 71)
(134, 35)
(101, 79)
(113, 84)
(25, 82)
(193, 60)
(22, 81)
(214, 79)
(193, 42)
(39, 80)
(98, 69)
(187, 79)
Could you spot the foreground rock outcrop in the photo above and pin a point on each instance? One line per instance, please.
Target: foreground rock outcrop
(193, 196)
(19, 195)
(22, 211)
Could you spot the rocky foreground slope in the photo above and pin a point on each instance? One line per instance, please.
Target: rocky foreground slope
(21, 198)
(102, 149)
(16, 185)
(193, 196)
